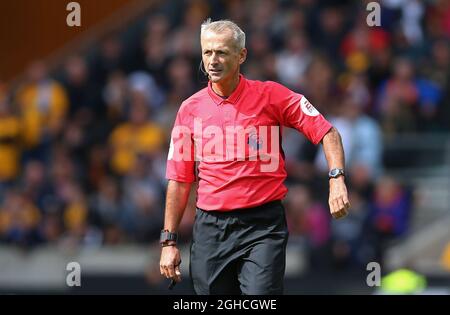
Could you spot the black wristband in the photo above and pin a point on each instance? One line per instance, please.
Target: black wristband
(167, 237)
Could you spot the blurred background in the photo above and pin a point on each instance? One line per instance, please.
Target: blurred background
(86, 113)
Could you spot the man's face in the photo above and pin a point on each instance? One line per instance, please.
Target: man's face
(221, 56)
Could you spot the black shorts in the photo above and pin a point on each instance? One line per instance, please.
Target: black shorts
(239, 252)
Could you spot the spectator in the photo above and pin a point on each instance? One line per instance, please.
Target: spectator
(107, 207)
(137, 136)
(83, 94)
(291, 63)
(78, 230)
(43, 105)
(398, 99)
(107, 60)
(115, 95)
(10, 131)
(438, 19)
(362, 140)
(181, 86)
(350, 247)
(155, 49)
(389, 215)
(362, 44)
(34, 183)
(143, 88)
(309, 219)
(143, 210)
(19, 220)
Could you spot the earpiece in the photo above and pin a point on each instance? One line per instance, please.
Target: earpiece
(202, 69)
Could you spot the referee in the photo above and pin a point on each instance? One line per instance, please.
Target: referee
(232, 130)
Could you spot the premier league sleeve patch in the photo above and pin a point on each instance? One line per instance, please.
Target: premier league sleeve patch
(308, 108)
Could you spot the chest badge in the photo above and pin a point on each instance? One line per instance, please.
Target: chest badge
(254, 142)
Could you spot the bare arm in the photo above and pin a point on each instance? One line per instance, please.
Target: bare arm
(334, 153)
(176, 201)
(333, 149)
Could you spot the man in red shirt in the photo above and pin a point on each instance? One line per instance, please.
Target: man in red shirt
(232, 130)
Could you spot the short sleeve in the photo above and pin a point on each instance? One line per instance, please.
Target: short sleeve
(180, 159)
(295, 111)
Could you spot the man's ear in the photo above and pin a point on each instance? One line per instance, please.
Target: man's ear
(242, 55)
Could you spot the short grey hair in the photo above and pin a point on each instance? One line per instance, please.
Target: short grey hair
(220, 26)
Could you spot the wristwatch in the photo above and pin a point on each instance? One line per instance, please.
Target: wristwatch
(167, 237)
(336, 172)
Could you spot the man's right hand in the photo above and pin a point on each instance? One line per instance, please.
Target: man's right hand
(169, 264)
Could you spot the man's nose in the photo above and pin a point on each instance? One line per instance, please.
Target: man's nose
(214, 58)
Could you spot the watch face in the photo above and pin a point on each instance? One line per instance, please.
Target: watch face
(335, 172)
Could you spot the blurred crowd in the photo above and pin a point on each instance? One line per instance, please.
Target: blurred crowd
(83, 147)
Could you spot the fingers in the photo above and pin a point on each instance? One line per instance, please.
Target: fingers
(170, 270)
(339, 207)
(340, 214)
(162, 269)
(177, 274)
(338, 200)
(166, 267)
(346, 202)
(332, 204)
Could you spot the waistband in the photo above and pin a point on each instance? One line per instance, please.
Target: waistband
(264, 206)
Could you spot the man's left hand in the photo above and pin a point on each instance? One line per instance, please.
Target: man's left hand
(338, 199)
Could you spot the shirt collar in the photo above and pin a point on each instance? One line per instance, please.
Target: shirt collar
(233, 98)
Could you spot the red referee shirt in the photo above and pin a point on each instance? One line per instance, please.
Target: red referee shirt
(237, 142)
